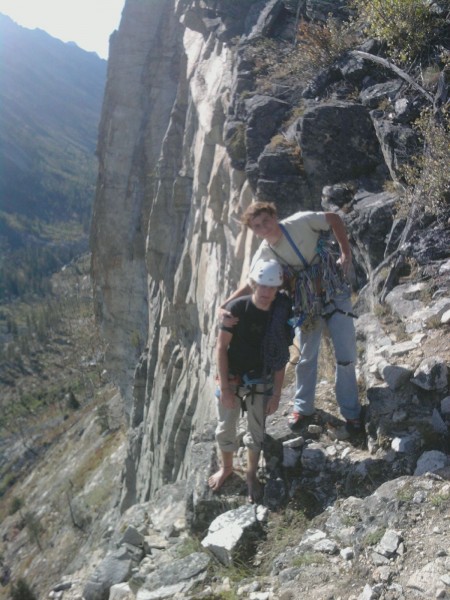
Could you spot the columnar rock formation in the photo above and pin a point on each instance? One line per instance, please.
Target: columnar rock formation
(164, 231)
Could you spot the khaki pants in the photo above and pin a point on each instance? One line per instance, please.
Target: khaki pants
(228, 419)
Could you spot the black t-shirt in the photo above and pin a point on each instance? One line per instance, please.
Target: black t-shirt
(245, 350)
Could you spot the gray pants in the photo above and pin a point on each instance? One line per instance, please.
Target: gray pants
(226, 430)
(342, 332)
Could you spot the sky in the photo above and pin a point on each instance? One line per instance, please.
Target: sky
(88, 23)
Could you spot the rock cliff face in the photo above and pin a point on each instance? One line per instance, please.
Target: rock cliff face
(164, 231)
(186, 141)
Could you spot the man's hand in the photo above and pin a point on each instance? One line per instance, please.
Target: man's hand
(345, 261)
(226, 318)
(228, 398)
(272, 405)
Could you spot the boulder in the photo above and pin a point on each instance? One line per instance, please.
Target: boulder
(398, 143)
(233, 535)
(338, 143)
(431, 374)
(369, 224)
(431, 461)
(264, 115)
(115, 568)
(175, 577)
(371, 96)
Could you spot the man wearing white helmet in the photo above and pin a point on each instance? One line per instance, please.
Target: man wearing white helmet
(251, 359)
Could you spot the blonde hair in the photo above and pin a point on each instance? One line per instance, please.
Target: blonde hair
(256, 209)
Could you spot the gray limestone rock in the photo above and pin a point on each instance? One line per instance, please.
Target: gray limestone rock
(438, 423)
(398, 142)
(427, 580)
(115, 568)
(313, 457)
(181, 573)
(234, 533)
(132, 536)
(389, 543)
(326, 546)
(431, 374)
(338, 143)
(404, 300)
(394, 375)
(445, 406)
(431, 461)
(369, 224)
(372, 96)
(121, 591)
(265, 113)
(408, 444)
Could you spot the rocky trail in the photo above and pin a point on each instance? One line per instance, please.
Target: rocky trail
(344, 518)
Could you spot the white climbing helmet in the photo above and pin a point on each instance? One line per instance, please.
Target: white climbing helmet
(267, 272)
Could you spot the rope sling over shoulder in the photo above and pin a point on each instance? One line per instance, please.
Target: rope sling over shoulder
(314, 286)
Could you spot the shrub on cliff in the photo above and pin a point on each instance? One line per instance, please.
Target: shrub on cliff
(317, 46)
(408, 27)
(427, 176)
(22, 591)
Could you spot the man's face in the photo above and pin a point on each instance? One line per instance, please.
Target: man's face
(264, 225)
(264, 294)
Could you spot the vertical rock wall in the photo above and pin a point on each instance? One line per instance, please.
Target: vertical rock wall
(190, 250)
(142, 84)
(164, 233)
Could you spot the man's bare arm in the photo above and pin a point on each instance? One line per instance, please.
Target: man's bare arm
(274, 400)
(227, 396)
(340, 233)
(225, 316)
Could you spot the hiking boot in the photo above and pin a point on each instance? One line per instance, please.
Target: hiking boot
(296, 421)
(354, 427)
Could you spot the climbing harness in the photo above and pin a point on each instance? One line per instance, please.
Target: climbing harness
(328, 315)
(248, 388)
(314, 283)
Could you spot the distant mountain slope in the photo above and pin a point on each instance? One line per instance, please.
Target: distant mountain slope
(50, 102)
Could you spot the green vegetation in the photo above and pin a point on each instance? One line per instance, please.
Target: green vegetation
(427, 176)
(34, 527)
(317, 46)
(308, 558)
(22, 591)
(228, 595)
(188, 546)
(25, 268)
(16, 505)
(239, 570)
(408, 27)
(440, 500)
(374, 537)
(286, 531)
(320, 45)
(51, 97)
(406, 494)
(236, 143)
(50, 365)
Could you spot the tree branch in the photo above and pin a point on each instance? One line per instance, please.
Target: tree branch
(397, 70)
